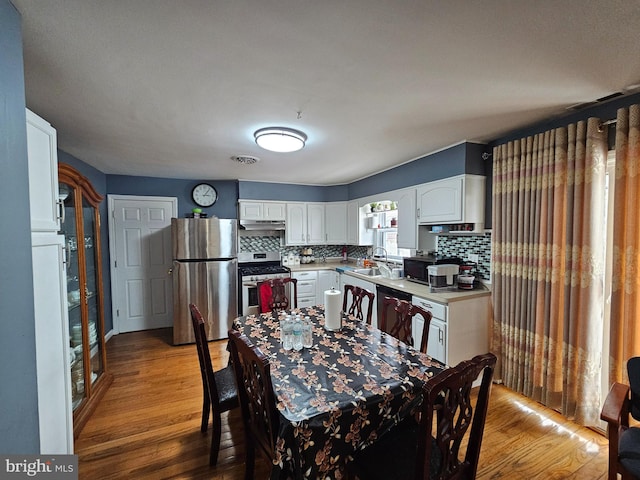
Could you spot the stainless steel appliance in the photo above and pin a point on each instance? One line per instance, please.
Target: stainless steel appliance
(415, 268)
(254, 267)
(205, 272)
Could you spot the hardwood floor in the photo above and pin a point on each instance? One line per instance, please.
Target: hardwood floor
(148, 425)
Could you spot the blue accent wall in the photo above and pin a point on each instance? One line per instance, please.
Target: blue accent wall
(19, 430)
(291, 192)
(99, 182)
(225, 207)
(456, 160)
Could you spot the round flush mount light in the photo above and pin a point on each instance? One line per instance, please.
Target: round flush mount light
(280, 139)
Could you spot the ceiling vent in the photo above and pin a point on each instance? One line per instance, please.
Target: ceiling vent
(245, 159)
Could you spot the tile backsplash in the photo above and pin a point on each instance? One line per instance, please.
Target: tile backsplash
(273, 243)
(448, 245)
(463, 245)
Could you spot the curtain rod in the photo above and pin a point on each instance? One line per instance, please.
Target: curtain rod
(606, 123)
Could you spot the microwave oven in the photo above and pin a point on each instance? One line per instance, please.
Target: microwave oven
(416, 268)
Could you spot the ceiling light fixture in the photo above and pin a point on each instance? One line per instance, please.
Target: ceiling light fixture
(280, 139)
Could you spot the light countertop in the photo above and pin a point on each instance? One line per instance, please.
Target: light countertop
(402, 284)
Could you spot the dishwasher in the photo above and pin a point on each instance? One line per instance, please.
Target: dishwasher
(381, 292)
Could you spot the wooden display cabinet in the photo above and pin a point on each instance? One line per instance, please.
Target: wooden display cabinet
(81, 228)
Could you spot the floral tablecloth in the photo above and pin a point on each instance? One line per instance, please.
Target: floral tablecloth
(347, 390)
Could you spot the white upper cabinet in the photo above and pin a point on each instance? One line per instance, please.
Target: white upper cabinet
(43, 175)
(407, 219)
(296, 224)
(358, 232)
(453, 200)
(315, 223)
(305, 223)
(273, 211)
(335, 214)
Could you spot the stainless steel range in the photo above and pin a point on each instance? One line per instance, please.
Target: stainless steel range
(254, 267)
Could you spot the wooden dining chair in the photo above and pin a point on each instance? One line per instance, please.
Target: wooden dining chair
(219, 388)
(355, 308)
(624, 441)
(257, 401)
(272, 294)
(418, 451)
(402, 327)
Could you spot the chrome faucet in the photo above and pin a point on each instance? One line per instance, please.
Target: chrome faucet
(386, 257)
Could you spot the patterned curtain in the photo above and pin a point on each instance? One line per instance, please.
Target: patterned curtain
(548, 257)
(625, 297)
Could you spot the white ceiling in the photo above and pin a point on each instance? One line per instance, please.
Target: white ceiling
(168, 88)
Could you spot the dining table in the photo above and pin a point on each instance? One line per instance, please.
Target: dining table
(353, 385)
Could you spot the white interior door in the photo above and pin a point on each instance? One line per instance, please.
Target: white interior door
(140, 247)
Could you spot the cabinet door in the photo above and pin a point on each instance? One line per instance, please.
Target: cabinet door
(327, 279)
(251, 211)
(315, 224)
(441, 201)
(296, 224)
(274, 211)
(52, 344)
(336, 223)
(407, 219)
(437, 344)
(353, 222)
(43, 175)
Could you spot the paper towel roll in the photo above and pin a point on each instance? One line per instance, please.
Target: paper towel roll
(332, 309)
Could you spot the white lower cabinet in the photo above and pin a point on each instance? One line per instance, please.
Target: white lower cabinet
(458, 331)
(307, 287)
(52, 344)
(437, 344)
(327, 279)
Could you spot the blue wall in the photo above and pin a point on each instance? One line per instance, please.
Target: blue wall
(457, 160)
(291, 192)
(19, 431)
(225, 207)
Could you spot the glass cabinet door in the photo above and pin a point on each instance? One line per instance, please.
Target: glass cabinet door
(69, 229)
(94, 321)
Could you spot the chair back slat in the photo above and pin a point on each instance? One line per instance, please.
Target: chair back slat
(402, 328)
(257, 401)
(356, 308)
(272, 294)
(204, 357)
(447, 399)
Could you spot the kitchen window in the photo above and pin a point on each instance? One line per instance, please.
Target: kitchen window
(387, 236)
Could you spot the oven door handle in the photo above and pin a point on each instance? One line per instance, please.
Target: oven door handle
(250, 284)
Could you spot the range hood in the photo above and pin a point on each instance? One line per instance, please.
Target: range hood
(262, 224)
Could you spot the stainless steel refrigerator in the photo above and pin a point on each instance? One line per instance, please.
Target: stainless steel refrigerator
(205, 273)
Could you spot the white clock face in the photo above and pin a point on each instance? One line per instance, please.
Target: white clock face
(204, 195)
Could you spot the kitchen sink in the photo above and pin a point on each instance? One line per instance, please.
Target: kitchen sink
(370, 272)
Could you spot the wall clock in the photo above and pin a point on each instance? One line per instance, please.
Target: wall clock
(204, 195)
